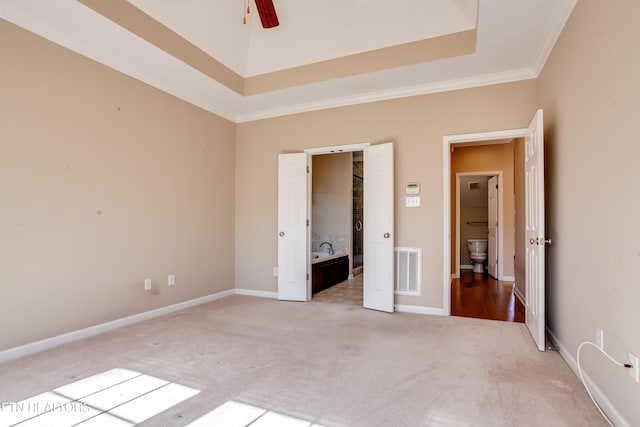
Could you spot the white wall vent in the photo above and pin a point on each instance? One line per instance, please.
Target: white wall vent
(408, 269)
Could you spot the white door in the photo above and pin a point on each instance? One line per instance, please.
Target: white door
(293, 227)
(492, 237)
(535, 240)
(378, 228)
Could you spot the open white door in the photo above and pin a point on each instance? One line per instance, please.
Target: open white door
(492, 222)
(293, 227)
(378, 228)
(535, 240)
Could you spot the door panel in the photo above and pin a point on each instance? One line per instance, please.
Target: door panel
(492, 237)
(293, 230)
(378, 228)
(535, 231)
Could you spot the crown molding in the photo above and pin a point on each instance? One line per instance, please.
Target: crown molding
(552, 34)
(450, 85)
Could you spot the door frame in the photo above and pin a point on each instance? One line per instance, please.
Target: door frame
(449, 142)
(500, 238)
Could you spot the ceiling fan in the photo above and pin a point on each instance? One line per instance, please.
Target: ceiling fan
(267, 13)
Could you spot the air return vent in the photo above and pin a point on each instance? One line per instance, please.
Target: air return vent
(474, 185)
(408, 269)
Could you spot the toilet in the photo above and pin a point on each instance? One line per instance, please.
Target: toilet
(478, 251)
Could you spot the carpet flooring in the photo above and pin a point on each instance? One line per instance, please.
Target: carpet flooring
(325, 364)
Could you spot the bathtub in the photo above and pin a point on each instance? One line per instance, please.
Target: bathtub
(328, 270)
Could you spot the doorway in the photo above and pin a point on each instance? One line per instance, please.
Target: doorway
(294, 224)
(480, 209)
(532, 249)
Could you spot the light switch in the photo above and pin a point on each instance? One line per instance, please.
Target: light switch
(412, 202)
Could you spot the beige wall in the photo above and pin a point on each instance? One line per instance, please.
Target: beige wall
(104, 182)
(332, 200)
(590, 92)
(487, 158)
(416, 125)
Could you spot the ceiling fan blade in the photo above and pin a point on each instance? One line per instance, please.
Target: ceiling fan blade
(267, 13)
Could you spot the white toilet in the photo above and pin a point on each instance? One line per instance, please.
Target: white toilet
(478, 251)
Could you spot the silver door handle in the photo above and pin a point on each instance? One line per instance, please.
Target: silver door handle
(281, 234)
(387, 235)
(358, 225)
(540, 241)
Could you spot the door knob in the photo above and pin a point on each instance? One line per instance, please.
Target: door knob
(387, 235)
(540, 241)
(281, 234)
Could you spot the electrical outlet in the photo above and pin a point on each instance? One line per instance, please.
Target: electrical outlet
(147, 284)
(275, 271)
(171, 279)
(634, 371)
(600, 338)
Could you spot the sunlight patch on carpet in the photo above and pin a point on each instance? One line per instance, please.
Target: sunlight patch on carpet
(118, 397)
(236, 414)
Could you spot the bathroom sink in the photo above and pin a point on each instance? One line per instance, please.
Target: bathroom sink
(317, 255)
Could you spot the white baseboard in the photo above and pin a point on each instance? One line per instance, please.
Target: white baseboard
(607, 407)
(416, 309)
(466, 267)
(27, 349)
(508, 279)
(520, 297)
(252, 293)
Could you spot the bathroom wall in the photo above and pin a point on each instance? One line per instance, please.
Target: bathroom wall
(331, 202)
(488, 158)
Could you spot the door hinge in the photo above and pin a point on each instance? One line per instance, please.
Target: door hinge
(307, 276)
(307, 223)
(308, 169)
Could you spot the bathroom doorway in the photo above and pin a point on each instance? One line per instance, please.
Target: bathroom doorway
(528, 219)
(295, 212)
(337, 249)
(480, 211)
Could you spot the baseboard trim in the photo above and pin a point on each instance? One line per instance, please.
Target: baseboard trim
(252, 293)
(45, 344)
(520, 297)
(417, 309)
(616, 418)
(466, 267)
(508, 279)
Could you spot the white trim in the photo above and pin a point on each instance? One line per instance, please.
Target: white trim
(337, 148)
(417, 309)
(519, 295)
(252, 293)
(423, 89)
(552, 34)
(447, 142)
(45, 344)
(508, 279)
(601, 398)
(463, 267)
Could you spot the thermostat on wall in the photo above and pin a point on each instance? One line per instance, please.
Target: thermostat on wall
(413, 188)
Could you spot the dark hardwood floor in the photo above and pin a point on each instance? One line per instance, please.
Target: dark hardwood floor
(481, 296)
